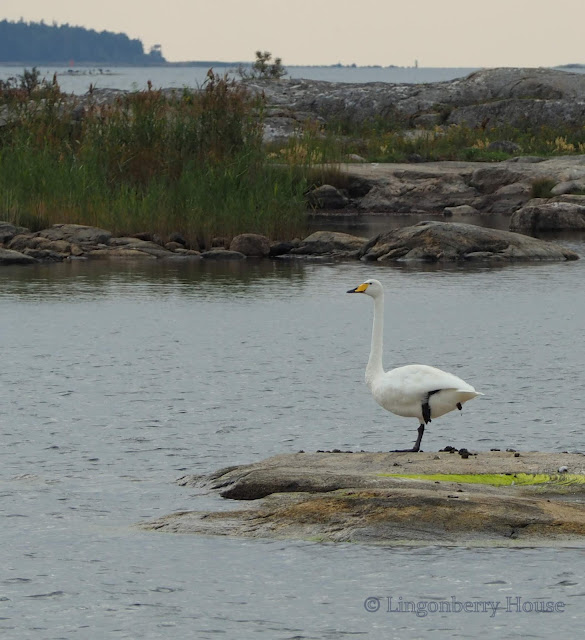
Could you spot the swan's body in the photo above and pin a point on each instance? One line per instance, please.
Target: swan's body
(416, 390)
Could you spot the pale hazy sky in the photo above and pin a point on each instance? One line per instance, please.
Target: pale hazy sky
(437, 33)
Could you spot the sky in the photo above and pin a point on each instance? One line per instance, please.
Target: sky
(436, 33)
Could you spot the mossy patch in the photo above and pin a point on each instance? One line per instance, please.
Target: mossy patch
(495, 479)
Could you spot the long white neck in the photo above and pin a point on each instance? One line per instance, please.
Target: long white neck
(375, 368)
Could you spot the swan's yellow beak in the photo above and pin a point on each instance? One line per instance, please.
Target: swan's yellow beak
(359, 289)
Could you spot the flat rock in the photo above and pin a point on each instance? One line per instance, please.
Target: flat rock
(373, 498)
(76, 234)
(450, 242)
(490, 187)
(8, 256)
(329, 242)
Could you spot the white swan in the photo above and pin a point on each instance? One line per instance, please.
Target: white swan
(416, 390)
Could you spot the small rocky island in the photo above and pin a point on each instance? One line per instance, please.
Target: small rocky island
(496, 498)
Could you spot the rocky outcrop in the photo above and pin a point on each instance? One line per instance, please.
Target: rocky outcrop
(489, 97)
(71, 241)
(451, 241)
(430, 187)
(76, 234)
(559, 214)
(426, 241)
(389, 498)
(8, 231)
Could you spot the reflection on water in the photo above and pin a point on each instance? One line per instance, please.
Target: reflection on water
(118, 378)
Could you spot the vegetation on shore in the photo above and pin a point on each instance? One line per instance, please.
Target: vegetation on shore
(196, 162)
(193, 164)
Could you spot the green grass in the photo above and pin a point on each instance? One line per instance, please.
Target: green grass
(495, 479)
(193, 164)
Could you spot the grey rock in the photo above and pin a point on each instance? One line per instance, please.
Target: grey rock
(549, 216)
(571, 186)
(77, 234)
(252, 245)
(8, 231)
(173, 246)
(489, 97)
(46, 255)
(282, 248)
(35, 245)
(450, 241)
(327, 197)
(328, 242)
(489, 179)
(136, 244)
(7, 256)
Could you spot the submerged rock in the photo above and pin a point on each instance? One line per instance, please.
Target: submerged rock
(450, 241)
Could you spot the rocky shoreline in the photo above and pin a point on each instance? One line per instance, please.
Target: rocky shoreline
(452, 497)
(429, 241)
(464, 188)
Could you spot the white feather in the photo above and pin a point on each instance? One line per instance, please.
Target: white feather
(404, 391)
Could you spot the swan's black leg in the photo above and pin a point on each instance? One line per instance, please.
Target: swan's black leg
(416, 447)
(421, 430)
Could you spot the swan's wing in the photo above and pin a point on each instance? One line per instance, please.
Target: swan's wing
(406, 390)
(420, 379)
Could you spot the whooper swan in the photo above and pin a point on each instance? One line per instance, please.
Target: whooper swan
(416, 390)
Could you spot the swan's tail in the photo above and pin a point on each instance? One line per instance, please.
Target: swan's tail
(449, 399)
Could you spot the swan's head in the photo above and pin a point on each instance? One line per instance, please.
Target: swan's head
(371, 287)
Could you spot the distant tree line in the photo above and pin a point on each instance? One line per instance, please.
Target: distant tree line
(38, 43)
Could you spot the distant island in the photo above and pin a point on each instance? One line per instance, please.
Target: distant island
(40, 43)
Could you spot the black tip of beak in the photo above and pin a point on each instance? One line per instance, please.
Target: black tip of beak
(352, 290)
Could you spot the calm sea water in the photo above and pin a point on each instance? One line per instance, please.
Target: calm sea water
(117, 379)
(78, 79)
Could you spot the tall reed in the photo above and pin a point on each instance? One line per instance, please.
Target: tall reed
(192, 162)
